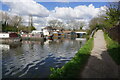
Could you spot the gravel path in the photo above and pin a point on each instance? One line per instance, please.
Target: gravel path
(100, 64)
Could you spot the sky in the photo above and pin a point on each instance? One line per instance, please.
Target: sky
(62, 10)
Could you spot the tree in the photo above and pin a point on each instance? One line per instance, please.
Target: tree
(75, 25)
(16, 21)
(112, 14)
(26, 28)
(81, 24)
(31, 28)
(56, 23)
(108, 20)
(97, 22)
(5, 18)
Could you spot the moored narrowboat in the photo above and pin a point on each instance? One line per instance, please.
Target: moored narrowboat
(10, 37)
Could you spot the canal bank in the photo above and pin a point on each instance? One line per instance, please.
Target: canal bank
(99, 65)
(73, 68)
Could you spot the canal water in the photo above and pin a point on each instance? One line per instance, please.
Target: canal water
(33, 59)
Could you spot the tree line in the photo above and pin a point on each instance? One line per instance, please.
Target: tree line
(68, 25)
(108, 20)
(13, 23)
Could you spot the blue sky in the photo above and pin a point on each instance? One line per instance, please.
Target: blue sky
(52, 5)
(5, 7)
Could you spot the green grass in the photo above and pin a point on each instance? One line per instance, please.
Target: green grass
(113, 49)
(73, 68)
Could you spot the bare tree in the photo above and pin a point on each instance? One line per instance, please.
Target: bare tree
(81, 24)
(76, 25)
(5, 18)
(16, 21)
(56, 23)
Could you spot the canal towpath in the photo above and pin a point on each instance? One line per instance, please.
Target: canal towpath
(100, 64)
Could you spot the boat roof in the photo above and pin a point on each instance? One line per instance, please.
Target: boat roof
(80, 32)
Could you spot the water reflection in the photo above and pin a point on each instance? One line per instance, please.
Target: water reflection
(4, 47)
(33, 59)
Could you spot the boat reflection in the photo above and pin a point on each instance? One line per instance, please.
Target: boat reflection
(4, 47)
(81, 39)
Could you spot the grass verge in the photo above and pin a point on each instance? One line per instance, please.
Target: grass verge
(73, 68)
(113, 49)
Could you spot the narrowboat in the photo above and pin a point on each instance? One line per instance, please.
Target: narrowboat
(9, 37)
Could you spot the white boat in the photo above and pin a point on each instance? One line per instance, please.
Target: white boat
(9, 37)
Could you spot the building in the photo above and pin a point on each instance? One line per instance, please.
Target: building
(46, 31)
(50, 30)
(80, 34)
(36, 32)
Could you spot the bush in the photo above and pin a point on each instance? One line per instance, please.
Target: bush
(113, 49)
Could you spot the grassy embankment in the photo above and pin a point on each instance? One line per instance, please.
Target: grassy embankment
(113, 49)
(73, 68)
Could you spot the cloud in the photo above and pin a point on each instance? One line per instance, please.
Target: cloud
(65, 0)
(79, 12)
(77, 0)
(41, 15)
(26, 7)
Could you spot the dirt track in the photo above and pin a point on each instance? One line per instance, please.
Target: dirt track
(100, 64)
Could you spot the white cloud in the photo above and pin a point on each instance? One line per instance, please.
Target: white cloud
(26, 7)
(79, 12)
(41, 15)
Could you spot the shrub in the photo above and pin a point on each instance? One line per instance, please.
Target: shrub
(113, 49)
